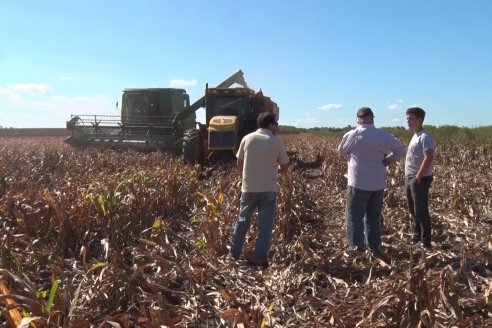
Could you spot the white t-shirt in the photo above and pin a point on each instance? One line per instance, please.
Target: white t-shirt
(421, 141)
(261, 152)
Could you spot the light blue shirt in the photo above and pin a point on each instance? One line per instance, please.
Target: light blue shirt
(365, 148)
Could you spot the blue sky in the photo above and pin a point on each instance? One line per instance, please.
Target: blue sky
(319, 60)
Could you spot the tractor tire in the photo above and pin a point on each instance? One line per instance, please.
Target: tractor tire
(192, 147)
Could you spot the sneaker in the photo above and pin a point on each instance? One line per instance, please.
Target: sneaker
(354, 252)
(375, 252)
(232, 258)
(262, 265)
(356, 249)
(382, 256)
(427, 245)
(254, 262)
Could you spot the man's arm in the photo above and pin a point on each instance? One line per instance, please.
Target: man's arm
(348, 143)
(283, 168)
(397, 152)
(239, 165)
(283, 159)
(426, 164)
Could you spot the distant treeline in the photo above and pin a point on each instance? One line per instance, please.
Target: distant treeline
(443, 132)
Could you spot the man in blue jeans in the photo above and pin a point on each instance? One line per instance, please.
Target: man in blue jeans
(369, 151)
(418, 175)
(259, 157)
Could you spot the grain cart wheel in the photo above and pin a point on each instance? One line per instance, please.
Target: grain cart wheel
(192, 149)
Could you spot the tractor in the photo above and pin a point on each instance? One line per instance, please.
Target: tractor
(230, 114)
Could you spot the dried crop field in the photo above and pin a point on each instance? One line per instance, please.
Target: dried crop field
(107, 238)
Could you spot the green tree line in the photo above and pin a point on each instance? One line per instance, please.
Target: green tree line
(482, 134)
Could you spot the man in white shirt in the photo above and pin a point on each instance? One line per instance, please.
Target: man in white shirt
(368, 151)
(259, 157)
(418, 175)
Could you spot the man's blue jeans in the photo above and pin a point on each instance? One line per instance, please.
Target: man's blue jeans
(418, 206)
(266, 203)
(363, 212)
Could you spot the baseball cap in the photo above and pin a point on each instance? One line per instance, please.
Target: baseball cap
(364, 112)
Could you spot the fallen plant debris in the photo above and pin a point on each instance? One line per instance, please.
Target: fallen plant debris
(118, 238)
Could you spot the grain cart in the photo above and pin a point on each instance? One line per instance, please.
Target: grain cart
(151, 118)
(230, 113)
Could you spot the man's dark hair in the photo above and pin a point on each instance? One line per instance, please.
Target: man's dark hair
(417, 111)
(265, 119)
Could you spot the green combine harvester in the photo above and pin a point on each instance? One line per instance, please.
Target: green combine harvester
(162, 118)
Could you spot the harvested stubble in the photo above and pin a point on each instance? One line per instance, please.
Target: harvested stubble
(139, 239)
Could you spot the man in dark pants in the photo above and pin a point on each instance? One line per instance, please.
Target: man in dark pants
(260, 157)
(418, 175)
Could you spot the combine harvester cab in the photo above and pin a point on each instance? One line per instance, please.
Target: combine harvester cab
(146, 121)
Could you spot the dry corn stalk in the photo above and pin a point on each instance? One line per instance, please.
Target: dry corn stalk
(14, 316)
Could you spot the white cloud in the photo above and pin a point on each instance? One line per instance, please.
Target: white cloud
(29, 88)
(175, 83)
(396, 105)
(97, 104)
(13, 93)
(330, 107)
(34, 105)
(10, 96)
(53, 111)
(23, 119)
(396, 120)
(35, 96)
(306, 122)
